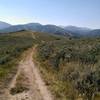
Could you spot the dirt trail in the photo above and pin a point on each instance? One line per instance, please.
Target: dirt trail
(37, 88)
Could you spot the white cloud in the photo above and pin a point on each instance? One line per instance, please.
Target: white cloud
(16, 20)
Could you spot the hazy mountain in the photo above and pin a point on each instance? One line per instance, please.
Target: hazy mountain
(77, 31)
(82, 31)
(14, 28)
(53, 29)
(75, 28)
(4, 25)
(33, 26)
(94, 33)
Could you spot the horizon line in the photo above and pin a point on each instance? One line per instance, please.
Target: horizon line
(59, 25)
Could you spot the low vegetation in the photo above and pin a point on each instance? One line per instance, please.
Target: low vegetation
(11, 47)
(71, 67)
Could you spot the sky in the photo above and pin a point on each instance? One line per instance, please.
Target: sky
(82, 13)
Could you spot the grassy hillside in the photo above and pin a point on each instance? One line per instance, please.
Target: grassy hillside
(12, 45)
(70, 67)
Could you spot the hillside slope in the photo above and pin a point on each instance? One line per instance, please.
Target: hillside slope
(69, 67)
(11, 47)
(22, 79)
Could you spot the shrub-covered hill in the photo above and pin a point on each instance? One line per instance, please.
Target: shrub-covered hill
(71, 67)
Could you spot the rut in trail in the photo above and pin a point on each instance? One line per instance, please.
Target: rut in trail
(37, 90)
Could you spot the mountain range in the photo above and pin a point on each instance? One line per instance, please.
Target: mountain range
(72, 31)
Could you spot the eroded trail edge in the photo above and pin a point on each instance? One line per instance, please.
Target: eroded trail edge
(28, 78)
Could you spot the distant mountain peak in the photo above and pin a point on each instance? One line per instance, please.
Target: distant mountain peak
(4, 25)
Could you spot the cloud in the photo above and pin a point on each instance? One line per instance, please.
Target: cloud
(23, 20)
(16, 20)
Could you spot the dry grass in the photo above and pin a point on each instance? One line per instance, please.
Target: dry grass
(21, 84)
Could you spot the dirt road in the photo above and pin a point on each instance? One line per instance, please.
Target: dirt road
(37, 90)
